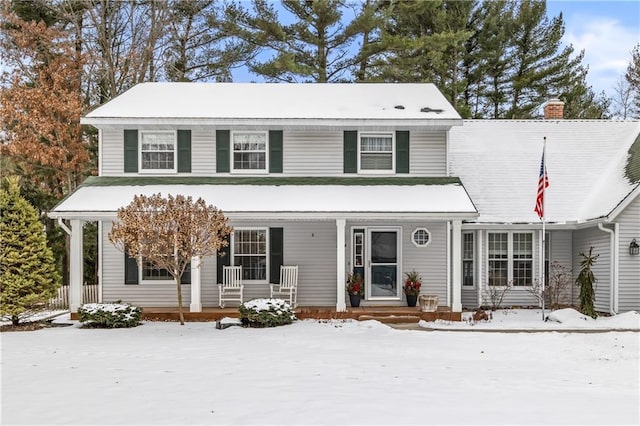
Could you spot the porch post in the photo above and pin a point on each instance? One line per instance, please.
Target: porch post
(75, 265)
(456, 265)
(341, 271)
(196, 299)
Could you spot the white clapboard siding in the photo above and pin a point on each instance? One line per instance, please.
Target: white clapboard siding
(582, 240)
(305, 152)
(629, 272)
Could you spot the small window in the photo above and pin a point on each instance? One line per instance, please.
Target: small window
(250, 251)
(376, 152)
(249, 153)
(158, 151)
(421, 237)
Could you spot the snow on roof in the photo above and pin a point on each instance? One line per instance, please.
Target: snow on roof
(499, 161)
(239, 101)
(298, 200)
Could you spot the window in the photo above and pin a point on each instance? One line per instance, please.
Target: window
(249, 153)
(158, 151)
(152, 273)
(250, 251)
(510, 259)
(467, 259)
(498, 259)
(421, 237)
(376, 152)
(522, 259)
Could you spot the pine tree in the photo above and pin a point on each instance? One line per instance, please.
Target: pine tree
(314, 47)
(28, 276)
(585, 280)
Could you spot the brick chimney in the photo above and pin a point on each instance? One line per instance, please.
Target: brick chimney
(554, 109)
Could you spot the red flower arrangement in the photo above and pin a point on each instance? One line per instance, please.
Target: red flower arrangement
(412, 283)
(355, 284)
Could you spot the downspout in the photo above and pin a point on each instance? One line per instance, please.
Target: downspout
(613, 266)
(449, 283)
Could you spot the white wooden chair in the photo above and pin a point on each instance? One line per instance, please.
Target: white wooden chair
(231, 288)
(288, 286)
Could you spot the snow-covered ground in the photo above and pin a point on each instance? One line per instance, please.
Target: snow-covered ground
(327, 372)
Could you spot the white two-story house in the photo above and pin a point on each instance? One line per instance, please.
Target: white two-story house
(379, 179)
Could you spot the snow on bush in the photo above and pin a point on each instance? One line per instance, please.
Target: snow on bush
(110, 315)
(266, 313)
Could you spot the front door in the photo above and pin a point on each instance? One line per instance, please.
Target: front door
(382, 264)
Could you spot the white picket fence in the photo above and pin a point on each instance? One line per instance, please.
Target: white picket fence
(61, 301)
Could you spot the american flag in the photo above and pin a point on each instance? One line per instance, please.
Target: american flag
(543, 183)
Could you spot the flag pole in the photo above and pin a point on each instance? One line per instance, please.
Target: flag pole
(544, 157)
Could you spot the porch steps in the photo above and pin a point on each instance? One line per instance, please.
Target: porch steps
(391, 319)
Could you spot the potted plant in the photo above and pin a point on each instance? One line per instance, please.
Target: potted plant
(412, 284)
(355, 288)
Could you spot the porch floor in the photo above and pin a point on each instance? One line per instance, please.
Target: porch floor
(389, 314)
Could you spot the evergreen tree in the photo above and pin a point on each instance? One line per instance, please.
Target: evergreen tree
(633, 77)
(315, 47)
(28, 276)
(585, 280)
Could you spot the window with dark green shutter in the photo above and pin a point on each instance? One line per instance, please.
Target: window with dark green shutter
(222, 151)
(275, 151)
(130, 151)
(350, 151)
(184, 151)
(130, 270)
(223, 258)
(276, 253)
(402, 151)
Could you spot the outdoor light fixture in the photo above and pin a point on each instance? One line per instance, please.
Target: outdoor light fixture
(634, 247)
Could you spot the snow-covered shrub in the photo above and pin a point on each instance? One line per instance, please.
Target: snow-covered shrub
(110, 315)
(266, 313)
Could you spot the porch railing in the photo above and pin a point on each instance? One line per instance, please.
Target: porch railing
(61, 301)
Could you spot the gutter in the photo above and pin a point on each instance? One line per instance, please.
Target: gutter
(614, 238)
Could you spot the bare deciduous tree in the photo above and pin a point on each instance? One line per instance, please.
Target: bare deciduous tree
(168, 232)
(492, 295)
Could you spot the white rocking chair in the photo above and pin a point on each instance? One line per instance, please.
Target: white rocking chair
(288, 286)
(231, 288)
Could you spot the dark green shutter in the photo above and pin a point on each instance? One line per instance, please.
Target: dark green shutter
(276, 253)
(402, 151)
(130, 151)
(222, 151)
(130, 270)
(186, 275)
(275, 151)
(223, 258)
(350, 159)
(184, 151)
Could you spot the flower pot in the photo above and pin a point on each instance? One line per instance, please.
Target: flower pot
(354, 300)
(412, 299)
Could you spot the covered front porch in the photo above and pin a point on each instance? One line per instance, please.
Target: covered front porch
(340, 210)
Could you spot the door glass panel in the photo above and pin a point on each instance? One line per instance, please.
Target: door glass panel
(384, 281)
(384, 247)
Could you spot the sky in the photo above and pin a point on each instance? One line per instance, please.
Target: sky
(327, 372)
(606, 30)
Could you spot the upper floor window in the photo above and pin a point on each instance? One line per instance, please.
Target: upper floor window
(158, 151)
(376, 152)
(249, 151)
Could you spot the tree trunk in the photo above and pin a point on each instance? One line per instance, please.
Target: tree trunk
(15, 319)
(178, 281)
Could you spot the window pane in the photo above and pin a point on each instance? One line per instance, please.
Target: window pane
(522, 246)
(376, 144)
(376, 161)
(467, 273)
(498, 272)
(522, 272)
(150, 272)
(498, 245)
(384, 247)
